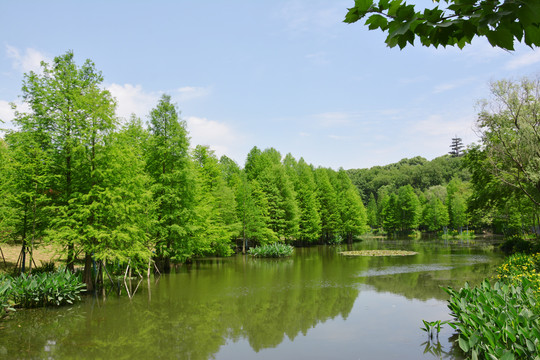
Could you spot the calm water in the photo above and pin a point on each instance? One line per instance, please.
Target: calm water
(315, 305)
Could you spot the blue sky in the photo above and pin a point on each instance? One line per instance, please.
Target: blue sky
(284, 74)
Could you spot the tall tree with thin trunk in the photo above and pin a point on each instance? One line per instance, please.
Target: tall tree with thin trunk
(174, 184)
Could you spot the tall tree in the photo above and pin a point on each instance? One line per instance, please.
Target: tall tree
(308, 205)
(174, 188)
(69, 116)
(456, 147)
(409, 209)
(372, 212)
(352, 210)
(217, 223)
(328, 201)
(510, 128)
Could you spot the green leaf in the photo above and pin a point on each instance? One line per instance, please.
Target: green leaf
(502, 37)
(377, 21)
(463, 344)
(363, 5)
(507, 356)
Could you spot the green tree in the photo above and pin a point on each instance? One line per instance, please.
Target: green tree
(390, 213)
(456, 202)
(501, 21)
(308, 204)
(435, 215)
(173, 183)
(282, 206)
(216, 206)
(328, 202)
(70, 117)
(409, 209)
(372, 212)
(25, 190)
(352, 210)
(510, 128)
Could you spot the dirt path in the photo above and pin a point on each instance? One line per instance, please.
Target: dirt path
(42, 253)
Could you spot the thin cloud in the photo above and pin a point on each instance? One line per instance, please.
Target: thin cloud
(302, 17)
(29, 60)
(332, 119)
(452, 85)
(187, 93)
(523, 60)
(318, 58)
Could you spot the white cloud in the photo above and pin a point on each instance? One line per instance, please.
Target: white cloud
(28, 61)
(219, 136)
(529, 58)
(132, 99)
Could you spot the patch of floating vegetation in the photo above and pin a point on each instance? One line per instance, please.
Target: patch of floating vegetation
(378, 253)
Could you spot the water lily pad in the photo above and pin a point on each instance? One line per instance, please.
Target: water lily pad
(378, 253)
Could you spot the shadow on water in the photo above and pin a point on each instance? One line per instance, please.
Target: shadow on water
(316, 304)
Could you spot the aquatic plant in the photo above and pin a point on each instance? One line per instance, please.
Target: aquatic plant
(496, 321)
(378, 253)
(272, 250)
(42, 289)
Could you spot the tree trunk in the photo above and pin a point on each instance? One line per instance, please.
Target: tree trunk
(87, 275)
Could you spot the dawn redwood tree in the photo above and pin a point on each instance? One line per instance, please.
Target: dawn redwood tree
(6, 210)
(70, 116)
(169, 166)
(282, 205)
(352, 210)
(216, 221)
(372, 212)
(25, 189)
(409, 209)
(309, 220)
(328, 202)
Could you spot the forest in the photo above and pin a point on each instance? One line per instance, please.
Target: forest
(110, 190)
(106, 190)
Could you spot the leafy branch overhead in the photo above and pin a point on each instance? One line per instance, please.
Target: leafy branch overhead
(502, 22)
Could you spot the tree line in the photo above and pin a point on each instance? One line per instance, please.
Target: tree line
(415, 195)
(106, 190)
(491, 186)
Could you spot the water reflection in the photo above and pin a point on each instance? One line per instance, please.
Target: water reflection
(318, 304)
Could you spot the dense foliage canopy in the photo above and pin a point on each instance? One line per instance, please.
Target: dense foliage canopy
(502, 22)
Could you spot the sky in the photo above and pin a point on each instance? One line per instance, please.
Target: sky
(283, 74)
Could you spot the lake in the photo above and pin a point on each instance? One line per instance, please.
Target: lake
(315, 305)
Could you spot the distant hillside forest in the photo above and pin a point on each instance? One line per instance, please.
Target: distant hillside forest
(447, 194)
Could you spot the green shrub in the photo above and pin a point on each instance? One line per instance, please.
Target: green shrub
(272, 250)
(42, 289)
(45, 267)
(497, 322)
